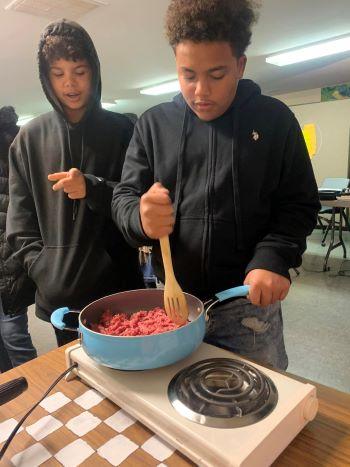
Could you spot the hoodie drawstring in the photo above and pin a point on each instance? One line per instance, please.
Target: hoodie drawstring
(235, 179)
(180, 162)
(75, 201)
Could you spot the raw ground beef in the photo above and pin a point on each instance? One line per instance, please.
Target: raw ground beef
(142, 323)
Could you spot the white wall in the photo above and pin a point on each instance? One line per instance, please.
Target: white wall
(332, 121)
(309, 96)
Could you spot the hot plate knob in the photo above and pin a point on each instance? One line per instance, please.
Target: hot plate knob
(310, 408)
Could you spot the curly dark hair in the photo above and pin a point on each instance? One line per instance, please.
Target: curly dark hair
(67, 47)
(210, 21)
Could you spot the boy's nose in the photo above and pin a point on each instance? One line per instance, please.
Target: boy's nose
(69, 82)
(202, 89)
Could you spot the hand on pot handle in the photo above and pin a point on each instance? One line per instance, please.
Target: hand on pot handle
(266, 287)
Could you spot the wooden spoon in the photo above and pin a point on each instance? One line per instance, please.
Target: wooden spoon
(174, 299)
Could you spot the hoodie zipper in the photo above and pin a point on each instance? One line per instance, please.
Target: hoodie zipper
(235, 181)
(208, 210)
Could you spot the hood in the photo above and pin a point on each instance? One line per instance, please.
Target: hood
(245, 90)
(64, 27)
(8, 130)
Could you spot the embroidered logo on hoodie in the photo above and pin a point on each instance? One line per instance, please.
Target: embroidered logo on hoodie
(255, 135)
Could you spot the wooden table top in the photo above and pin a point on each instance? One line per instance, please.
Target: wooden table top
(340, 202)
(325, 441)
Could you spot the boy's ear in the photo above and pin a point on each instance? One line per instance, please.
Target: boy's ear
(242, 61)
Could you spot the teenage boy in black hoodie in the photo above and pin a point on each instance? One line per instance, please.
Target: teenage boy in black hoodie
(61, 163)
(225, 171)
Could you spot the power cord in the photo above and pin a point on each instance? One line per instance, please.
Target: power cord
(19, 424)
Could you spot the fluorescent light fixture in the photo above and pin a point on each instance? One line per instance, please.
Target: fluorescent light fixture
(23, 119)
(330, 47)
(107, 105)
(164, 88)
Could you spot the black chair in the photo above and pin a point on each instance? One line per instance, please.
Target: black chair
(329, 186)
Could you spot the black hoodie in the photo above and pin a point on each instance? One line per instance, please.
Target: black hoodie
(16, 289)
(242, 185)
(71, 249)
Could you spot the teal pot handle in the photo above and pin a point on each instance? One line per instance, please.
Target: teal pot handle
(59, 318)
(241, 291)
(234, 292)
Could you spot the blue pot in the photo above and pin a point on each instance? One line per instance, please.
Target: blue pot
(141, 352)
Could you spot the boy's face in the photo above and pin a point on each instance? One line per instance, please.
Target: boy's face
(208, 74)
(71, 83)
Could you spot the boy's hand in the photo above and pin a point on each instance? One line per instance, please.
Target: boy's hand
(266, 287)
(71, 182)
(156, 212)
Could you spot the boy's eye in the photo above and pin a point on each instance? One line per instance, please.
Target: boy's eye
(57, 75)
(217, 75)
(189, 77)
